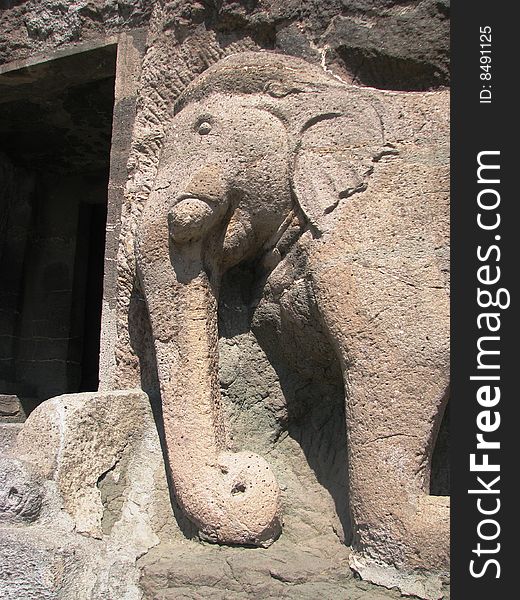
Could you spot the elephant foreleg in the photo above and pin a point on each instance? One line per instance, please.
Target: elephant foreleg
(393, 342)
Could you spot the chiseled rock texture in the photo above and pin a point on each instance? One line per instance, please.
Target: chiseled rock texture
(31, 26)
(392, 44)
(286, 572)
(66, 439)
(90, 498)
(43, 564)
(20, 492)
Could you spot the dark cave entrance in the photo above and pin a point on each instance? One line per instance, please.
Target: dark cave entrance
(440, 469)
(55, 141)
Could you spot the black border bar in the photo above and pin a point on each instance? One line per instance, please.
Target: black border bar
(487, 130)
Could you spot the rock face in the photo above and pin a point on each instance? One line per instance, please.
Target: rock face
(281, 356)
(391, 44)
(11, 410)
(92, 495)
(20, 492)
(31, 26)
(284, 571)
(66, 439)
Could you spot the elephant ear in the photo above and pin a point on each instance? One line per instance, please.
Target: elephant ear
(333, 160)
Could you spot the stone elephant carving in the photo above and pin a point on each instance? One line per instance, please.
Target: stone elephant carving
(266, 153)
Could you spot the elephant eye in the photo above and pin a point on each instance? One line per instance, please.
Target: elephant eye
(204, 128)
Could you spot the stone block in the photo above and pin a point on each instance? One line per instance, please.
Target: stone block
(11, 409)
(76, 439)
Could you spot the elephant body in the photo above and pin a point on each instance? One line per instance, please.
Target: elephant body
(272, 161)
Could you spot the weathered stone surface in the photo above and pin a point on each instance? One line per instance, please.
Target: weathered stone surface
(42, 565)
(11, 410)
(310, 562)
(101, 458)
(8, 434)
(281, 353)
(185, 38)
(76, 439)
(392, 44)
(281, 571)
(28, 571)
(36, 25)
(21, 492)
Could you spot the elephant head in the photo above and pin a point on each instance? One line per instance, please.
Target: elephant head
(249, 146)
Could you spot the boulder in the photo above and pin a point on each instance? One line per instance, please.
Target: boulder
(77, 439)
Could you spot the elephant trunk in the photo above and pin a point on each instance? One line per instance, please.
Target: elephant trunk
(232, 497)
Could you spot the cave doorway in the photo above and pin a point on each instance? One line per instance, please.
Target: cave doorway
(55, 145)
(440, 468)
